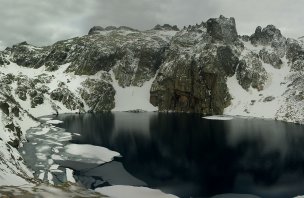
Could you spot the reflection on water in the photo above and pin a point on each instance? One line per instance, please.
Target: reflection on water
(188, 156)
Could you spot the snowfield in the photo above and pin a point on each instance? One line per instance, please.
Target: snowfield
(132, 98)
(267, 103)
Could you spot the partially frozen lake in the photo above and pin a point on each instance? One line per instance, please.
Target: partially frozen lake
(180, 154)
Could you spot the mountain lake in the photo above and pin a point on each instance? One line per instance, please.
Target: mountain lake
(178, 153)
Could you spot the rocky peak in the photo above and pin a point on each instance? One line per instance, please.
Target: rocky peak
(266, 35)
(166, 27)
(222, 29)
(95, 30)
(98, 29)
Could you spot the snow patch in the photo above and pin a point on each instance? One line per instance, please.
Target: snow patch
(253, 102)
(132, 98)
(69, 175)
(218, 117)
(10, 179)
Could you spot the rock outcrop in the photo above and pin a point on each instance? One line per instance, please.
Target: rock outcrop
(251, 73)
(192, 77)
(166, 27)
(222, 29)
(98, 95)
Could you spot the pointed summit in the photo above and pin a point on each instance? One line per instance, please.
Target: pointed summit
(264, 36)
(222, 29)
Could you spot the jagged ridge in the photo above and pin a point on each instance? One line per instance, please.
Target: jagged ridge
(191, 67)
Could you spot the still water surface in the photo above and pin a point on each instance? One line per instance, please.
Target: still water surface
(187, 155)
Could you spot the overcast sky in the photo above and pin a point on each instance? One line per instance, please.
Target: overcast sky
(43, 22)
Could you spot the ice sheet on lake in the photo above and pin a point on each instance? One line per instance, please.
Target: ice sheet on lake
(69, 175)
(93, 154)
(54, 121)
(49, 145)
(42, 131)
(119, 191)
(218, 117)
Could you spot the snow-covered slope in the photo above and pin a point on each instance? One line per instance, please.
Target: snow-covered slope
(14, 121)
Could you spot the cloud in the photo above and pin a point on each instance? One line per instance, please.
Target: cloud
(43, 22)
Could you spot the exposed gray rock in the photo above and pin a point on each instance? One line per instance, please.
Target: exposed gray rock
(7, 79)
(222, 29)
(37, 100)
(3, 60)
(16, 111)
(270, 36)
(297, 65)
(294, 50)
(32, 93)
(21, 92)
(166, 27)
(98, 95)
(67, 98)
(185, 83)
(266, 35)
(271, 58)
(43, 89)
(245, 38)
(268, 99)
(96, 30)
(227, 59)
(4, 106)
(43, 78)
(250, 72)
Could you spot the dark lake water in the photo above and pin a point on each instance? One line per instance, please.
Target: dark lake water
(189, 156)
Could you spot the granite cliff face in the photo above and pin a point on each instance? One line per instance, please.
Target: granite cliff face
(193, 75)
(191, 69)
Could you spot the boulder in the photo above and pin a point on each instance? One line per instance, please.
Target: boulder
(268, 99)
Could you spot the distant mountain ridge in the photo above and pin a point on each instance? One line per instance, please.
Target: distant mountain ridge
(192, 69)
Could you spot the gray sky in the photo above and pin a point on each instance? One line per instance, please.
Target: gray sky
(43, 22)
